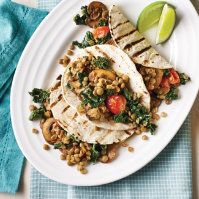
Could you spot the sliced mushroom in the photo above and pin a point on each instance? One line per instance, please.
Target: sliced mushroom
(96, 11)
(47, 130)
(92, 23)
(100, 73)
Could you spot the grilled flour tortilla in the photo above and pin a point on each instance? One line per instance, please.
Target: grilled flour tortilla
(120, 62)
(69, 120)
(128, 39)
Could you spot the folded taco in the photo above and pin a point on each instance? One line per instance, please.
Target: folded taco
(127, 38)
(68, 118)
(103, 85)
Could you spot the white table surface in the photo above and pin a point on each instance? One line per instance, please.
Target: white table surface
(23, 192)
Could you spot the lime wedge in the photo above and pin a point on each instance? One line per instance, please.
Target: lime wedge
(166, 24)
(150, 15)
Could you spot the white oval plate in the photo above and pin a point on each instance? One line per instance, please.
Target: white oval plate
(39, 66)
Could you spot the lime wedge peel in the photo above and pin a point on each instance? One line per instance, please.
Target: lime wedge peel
(166, 24)
(150, 15)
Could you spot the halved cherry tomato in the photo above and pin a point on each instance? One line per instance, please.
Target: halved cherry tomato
(56, 122)
(173, 77)
(165, 82)
(100, 32)
(115, 103)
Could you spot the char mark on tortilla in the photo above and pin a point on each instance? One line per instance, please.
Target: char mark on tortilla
(128, 46)
(141, 51)
(125, 35)
(57, 85)
(119, 24)
(65, 109)
(54, 103)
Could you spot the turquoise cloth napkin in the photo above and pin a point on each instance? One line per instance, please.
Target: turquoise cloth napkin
(168, 176)
(17, 23)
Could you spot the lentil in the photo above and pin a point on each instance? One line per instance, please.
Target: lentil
(117, 89)
(69, 52)
(138, 132)
(104, 158)
(163, 114)
(122, 85)
(130, 149)
(100, 91)
(72, 47)
(144, 137)
(46, 147)
(83, 171)
(62, 157)
(35, 131)
(61, 61)
(32, 108)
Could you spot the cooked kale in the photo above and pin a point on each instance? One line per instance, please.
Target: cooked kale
(58, 145)
(90, 41)
(82, 75)
(101, 62)
(38, 113)
(172, 95)
(96, 151)
(151, 127)
(127, 94)
(74, 139)
(80, 20)
(121, 117)
(183, 78)
(142, 113)
(69, 86)
(104, 39)
(87, 41)
(166, 72)
(102, 23)
(89, 98)
(39, 95)
(110, 91)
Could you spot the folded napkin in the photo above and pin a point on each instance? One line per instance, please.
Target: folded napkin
(168, 176)
(17, 23)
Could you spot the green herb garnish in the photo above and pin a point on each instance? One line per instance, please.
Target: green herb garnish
(166, 72)
(74, 139)
(96, 151)
(184, 78)
(90, 41)
(87, 41)
(81, 76)
(69, 86)
(172, 95)
(58, 145)
(142, 113)
(101, 62)
(121, 117)
(110, 91)
(39, 95)
(80, 20)
(127, 94)
(38, 113)
(102, 23)
(104, 39)
(89, 98)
